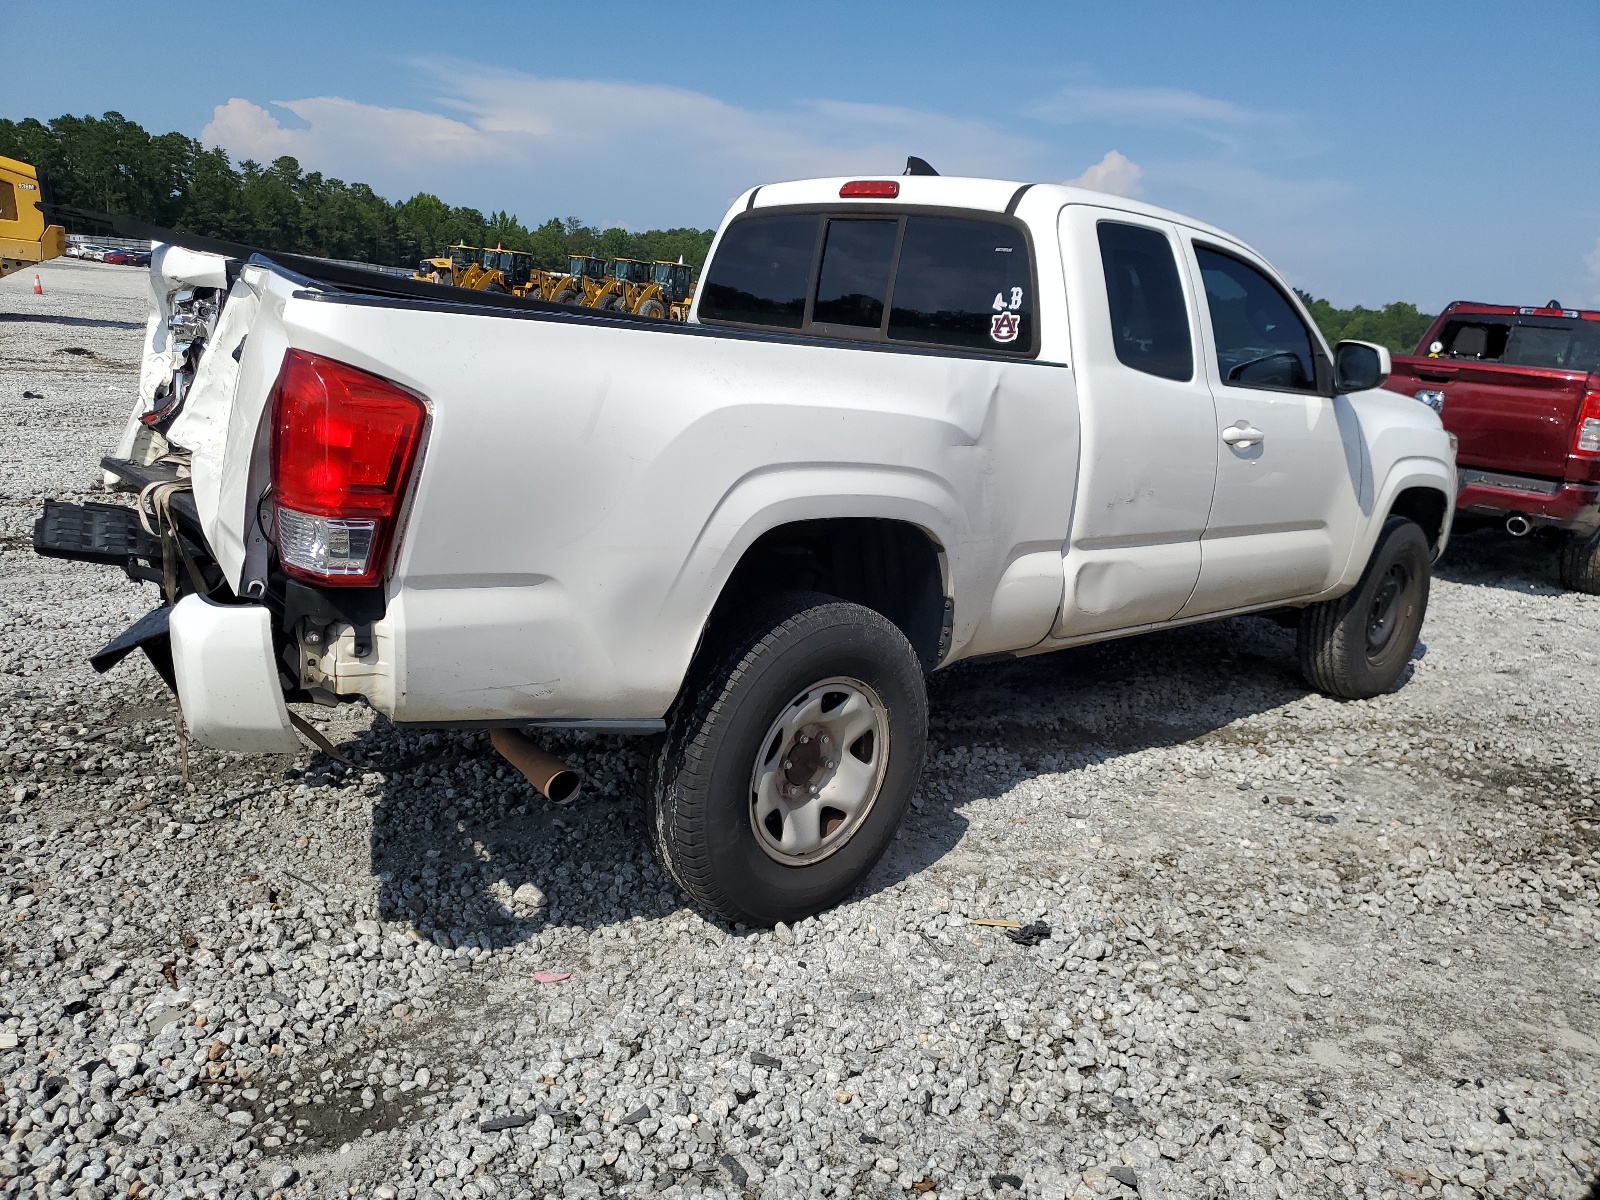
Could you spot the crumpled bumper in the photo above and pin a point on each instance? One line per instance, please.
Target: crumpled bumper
(227, 677)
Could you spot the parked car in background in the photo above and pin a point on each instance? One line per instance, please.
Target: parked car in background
(910, 421)
(1519, 387)
(120, 257)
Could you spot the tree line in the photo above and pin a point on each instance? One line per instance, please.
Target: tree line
(110, 164)
(1398, 326)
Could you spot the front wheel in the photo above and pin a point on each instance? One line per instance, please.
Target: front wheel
(1580, 562)
(1356, 647)
(789, 760)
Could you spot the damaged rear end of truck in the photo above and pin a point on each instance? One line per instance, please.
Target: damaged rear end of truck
(270, 485)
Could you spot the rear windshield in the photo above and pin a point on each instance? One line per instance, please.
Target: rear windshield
(916, 278)
(1556, 343)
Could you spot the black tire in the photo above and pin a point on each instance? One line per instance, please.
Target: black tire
(1357, 646)
(702, 780)
(497, 289)
(567, 295)
(1580, 562)
(607, 303)
(652, 308)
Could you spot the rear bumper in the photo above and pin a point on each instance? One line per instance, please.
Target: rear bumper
(227, 677)
(1573, 506)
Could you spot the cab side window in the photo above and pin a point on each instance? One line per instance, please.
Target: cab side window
(1261, 340)
(762, 272)
(1149, 321)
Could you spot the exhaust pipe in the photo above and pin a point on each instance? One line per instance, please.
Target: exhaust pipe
(551, 777)
(1518, 525)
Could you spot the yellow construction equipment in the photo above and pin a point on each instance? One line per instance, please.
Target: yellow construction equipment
(458, 266)
(669, 292)
(509, 271)
(631, 277)
(25, 239)
(586, 283)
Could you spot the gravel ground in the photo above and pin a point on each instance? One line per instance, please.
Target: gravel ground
(1295, 947)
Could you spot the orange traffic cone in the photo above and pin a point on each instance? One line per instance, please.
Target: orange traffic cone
(38, 288)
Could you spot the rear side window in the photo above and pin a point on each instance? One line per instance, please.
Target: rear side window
(963, 283)
(959, 282)
(856, 260)
(762, 272)
(1261, 340)
(1482, 338)
(8, 201)
(1149, 321)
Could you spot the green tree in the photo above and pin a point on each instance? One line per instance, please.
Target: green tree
(109, 164)
(1398, 326)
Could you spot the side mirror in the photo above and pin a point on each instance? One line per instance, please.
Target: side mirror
(1360, 366)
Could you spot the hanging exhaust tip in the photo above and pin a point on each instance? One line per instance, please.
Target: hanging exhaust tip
(1518, 525)
(551, 777)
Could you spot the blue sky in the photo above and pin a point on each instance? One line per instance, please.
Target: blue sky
(1373, 151)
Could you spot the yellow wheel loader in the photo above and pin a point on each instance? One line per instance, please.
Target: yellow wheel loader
(630, 278)
(586, 283)
(25, 239)
(668, 293)
(458, 266)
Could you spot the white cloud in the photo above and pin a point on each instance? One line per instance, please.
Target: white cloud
(335, 127)
(1115, 173)
(1143, 106)
(636, 154)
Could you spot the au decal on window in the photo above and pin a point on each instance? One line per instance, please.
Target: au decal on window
(1003, 326)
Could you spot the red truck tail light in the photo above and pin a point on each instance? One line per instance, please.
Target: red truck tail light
(1587, 440)
(343, 444)
(886, 189)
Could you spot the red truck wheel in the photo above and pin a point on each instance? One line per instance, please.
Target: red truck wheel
(789, 760)
(1580, 562)
(1356, 647)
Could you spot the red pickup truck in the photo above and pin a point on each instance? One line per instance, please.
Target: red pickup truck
(1520, 389)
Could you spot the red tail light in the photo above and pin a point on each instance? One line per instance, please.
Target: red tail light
(1586, 441)
(343, 443)
(883, 188)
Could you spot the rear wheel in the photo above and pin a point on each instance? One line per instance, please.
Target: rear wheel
(789, 760)
(607, 303)
(567, 295)
(1580, 562)
(1357, 646)
(652, 308)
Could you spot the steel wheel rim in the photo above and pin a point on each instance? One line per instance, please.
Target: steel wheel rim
(1383, 617)
(818, 771)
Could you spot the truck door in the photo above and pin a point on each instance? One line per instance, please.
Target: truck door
(1289, 472)
(1148, 459)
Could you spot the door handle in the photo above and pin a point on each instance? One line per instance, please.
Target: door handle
(1243, 435)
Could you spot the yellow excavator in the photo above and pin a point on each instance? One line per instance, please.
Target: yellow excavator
(669, 292)
(25, 239)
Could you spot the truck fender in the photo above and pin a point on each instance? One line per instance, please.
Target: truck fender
(768, 497)
(1403, 474)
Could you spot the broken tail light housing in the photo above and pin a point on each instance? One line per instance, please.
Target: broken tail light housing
(884, 189)
(1586, 441)
(343, 445)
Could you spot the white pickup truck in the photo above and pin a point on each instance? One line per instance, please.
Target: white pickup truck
(911, 420)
